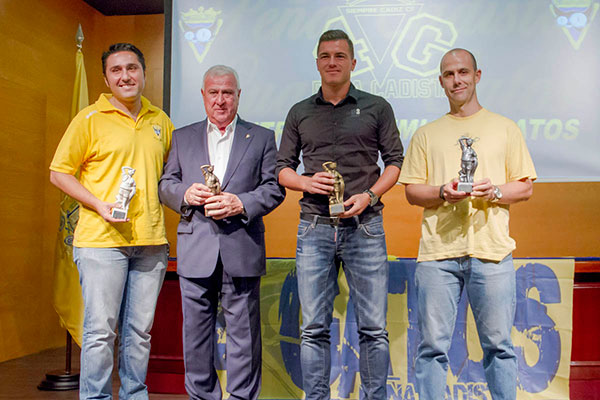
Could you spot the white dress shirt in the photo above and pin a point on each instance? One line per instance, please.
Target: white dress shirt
(219, 146)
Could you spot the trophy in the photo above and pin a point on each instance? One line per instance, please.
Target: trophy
(211, 179)
(125, 193)
(468, 164)
(336, 197)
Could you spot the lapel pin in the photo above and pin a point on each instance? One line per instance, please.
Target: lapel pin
(247, 135)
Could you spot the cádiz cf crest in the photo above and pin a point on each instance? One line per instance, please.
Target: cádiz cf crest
(574, 17)
(200, 27)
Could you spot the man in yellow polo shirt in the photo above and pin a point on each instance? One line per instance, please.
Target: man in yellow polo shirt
(465, 241)
(118, 145)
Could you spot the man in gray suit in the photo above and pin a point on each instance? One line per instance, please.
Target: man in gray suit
(220, 237)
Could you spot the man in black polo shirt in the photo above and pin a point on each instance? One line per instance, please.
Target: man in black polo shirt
(351, 128)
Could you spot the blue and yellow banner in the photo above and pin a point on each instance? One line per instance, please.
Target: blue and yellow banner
(541, 336)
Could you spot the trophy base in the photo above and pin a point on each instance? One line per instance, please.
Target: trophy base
(466, 187)
(119, 213)
(336, 209)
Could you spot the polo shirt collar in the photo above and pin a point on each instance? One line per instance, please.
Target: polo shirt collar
(104, 105)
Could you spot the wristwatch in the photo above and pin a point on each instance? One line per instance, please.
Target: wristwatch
(373, 196)
(497, 193)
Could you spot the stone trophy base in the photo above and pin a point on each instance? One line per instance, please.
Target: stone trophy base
(336, 209)
(119, 213)
(466, 187)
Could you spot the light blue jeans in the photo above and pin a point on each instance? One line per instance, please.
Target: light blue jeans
(491, 289)
(361, 248)
(120, 286)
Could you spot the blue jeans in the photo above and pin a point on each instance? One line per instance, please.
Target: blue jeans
(491, 289)
(361, 247)
(120, 285)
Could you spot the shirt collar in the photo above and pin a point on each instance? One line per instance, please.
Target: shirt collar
(104, 105)
(210, 127)
(351, 96)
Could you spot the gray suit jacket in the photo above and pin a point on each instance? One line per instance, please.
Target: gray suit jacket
(250, 174)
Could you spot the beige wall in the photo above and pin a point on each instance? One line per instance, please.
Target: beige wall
(37, 67)
(558, 221)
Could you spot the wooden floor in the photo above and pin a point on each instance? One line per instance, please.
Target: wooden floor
(19, 378)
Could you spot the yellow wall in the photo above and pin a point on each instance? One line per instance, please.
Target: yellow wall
(37, 70)
(37, 67)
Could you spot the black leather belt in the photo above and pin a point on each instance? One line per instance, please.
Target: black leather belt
(335, 221)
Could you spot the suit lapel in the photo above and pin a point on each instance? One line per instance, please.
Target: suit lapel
(200, 149)
(241, 140)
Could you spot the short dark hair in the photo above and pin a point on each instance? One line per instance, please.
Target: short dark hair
(336, 34)
(459, 49)
(117, 47)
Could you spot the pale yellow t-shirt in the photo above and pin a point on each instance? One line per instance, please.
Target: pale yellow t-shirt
(99, 141)
(472, 227)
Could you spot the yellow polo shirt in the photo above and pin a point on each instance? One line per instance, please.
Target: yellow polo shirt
(472, 227)
(99, 141)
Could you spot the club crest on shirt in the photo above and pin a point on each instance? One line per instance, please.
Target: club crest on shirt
(157, 130)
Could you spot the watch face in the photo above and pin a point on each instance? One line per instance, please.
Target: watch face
(374, 198)
(497, 192)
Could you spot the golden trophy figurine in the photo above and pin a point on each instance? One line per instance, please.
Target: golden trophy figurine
(211, 179)
(336, 197)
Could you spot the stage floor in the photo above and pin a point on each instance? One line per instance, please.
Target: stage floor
(19, 378)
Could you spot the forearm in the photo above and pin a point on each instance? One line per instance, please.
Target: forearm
(72, 187)
(423, 195)
(386, 181)
(291, 180)
(516, 191)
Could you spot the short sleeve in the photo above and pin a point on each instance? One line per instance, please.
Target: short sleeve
(74, 147)
(519, 164)
(414, 169)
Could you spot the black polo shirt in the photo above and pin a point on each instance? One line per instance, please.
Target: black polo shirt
(352, 133)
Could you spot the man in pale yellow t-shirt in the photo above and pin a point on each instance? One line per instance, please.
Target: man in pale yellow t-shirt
(118, 144)
(464, 236)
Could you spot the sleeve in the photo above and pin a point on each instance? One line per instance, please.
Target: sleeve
(289, 148)
(519, 164)
(169, 128)
(268, 194)
(74, 147)
(415, 163)
(389, 143)
(171, 189)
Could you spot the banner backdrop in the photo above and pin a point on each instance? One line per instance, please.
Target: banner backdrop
(539, 62)
(541, 335)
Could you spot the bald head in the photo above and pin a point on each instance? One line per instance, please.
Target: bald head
(452, 52)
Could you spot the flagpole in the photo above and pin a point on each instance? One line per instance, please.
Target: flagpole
(68, 379)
